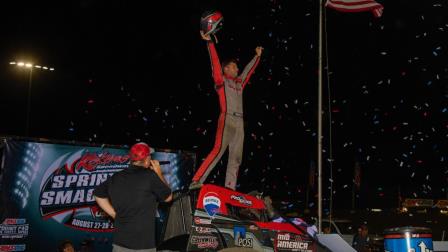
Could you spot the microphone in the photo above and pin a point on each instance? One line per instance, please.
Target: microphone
(164, 162)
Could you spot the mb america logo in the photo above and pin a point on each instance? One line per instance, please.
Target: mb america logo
(292, 242)
(66, 193)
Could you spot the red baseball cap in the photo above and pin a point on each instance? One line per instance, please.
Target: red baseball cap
(139, 151)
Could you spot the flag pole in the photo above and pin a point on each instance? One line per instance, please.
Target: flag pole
(353, 197)
(307, 197)
(319, 125)
(354, 186)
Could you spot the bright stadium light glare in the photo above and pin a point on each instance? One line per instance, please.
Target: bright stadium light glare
(32, 69)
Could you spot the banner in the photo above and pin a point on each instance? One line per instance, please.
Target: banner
(46, 193)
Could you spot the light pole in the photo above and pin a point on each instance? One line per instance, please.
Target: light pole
(29, 66)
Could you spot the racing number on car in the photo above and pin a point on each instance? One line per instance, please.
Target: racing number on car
(245, 242)
(239, 234)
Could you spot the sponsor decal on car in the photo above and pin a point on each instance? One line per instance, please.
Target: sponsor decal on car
(203, 230)
(198, 221)
(211, 203)
(206, 241)
(239, 235)
(291, 242)
(241, 199)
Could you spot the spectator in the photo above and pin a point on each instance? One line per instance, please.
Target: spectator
(361, 241)
(87, 246)
(66, 246)
(130, 197)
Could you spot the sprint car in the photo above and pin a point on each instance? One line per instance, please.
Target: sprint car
(227, 220)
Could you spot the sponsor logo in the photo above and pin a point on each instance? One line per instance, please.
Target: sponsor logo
(198, 221)
(241, 199)
(14, 247)
(211, 203)
(203, 230)
(290, 242)
(66, 193)
(239, 235)
(14, 221)
(14, 229)
(95, 161)
(204, 241)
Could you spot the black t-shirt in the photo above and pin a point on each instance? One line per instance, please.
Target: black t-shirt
(133, 193)
(361, 243)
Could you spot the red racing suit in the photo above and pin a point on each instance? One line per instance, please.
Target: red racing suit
(230, 132)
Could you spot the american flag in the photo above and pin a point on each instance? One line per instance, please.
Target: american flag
(356, 6)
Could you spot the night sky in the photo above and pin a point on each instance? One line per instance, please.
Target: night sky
(140, 72)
